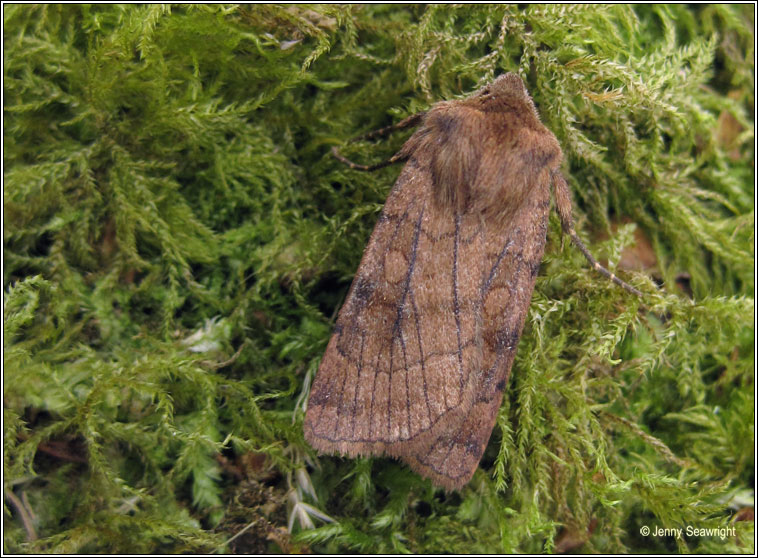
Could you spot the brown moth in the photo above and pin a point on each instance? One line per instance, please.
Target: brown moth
(424, 344)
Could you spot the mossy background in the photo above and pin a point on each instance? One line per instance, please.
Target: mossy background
(178, 240)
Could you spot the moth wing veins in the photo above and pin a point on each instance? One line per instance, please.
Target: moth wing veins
(512, 252)
(402, 365)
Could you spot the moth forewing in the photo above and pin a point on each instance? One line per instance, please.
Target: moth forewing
(424, 344)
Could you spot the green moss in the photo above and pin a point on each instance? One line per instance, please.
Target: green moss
(177, 241)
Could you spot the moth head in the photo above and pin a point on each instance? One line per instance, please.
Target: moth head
(508, 85)
(506, 94)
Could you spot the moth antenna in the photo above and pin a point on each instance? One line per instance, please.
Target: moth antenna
(412, 120)
(406, 123)
(355, 166)
(563, 204)
(596, 265)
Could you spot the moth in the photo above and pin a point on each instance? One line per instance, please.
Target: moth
(424, 343)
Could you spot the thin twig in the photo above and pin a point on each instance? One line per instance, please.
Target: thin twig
(53, 448)
(217, 365)
(31, 534)
(241, 532)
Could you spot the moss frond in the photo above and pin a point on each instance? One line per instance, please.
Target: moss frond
(177, 241)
